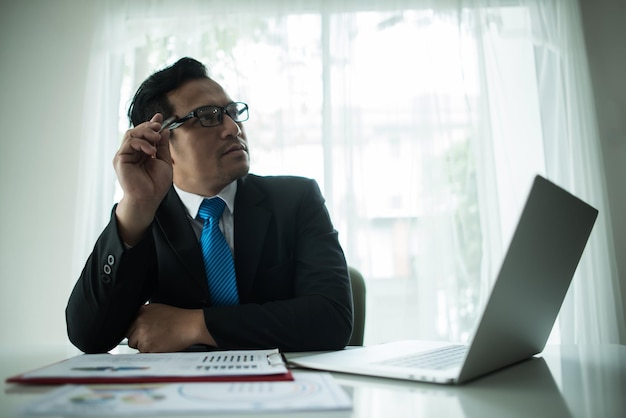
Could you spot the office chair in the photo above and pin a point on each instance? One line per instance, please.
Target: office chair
(358, 300)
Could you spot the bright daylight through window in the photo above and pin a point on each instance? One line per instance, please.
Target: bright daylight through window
(393, 113)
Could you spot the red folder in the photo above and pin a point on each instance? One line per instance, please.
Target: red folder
(217, 366)
(63, 380)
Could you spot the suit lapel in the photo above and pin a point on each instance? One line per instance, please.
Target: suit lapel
(172, 219)
(251, 223)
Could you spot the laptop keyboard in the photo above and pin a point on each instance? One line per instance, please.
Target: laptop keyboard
(438, 359)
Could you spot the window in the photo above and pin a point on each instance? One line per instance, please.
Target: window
(423, 128)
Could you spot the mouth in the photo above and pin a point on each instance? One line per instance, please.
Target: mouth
(238, 147)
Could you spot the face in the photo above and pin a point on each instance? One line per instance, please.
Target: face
(205, 160)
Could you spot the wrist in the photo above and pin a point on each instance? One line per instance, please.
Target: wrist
(133, 221)
(204, 336)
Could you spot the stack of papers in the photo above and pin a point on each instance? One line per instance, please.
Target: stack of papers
(180, 383)
(243, 365)
(309, 391)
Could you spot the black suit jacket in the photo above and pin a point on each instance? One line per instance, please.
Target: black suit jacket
(291, 272)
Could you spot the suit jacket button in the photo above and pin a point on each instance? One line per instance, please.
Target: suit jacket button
(107, 269)
(105, 278)
(111, 259)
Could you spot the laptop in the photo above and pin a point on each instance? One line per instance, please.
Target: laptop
(518, 317)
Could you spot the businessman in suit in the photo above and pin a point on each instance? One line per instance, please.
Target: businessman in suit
(292, 284)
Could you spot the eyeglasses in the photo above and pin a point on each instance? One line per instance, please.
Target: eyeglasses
(214, 115)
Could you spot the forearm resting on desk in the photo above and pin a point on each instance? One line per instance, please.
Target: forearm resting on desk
(163, 328)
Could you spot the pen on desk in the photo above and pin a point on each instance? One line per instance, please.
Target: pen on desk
(166, 124)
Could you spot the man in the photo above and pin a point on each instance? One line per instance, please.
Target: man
(291, 289)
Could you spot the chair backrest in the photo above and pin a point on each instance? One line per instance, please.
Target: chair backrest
(358, 300)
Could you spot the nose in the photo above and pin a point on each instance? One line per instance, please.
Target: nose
(230, 127)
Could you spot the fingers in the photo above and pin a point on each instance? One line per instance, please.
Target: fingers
(164, 328)
(162, 149)
(161, 144)
(133, 341)
(140, 333)
(146, 138)
(131, 335)
(134, 331)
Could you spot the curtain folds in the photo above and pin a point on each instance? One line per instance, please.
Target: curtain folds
(423, 122)
(593, 311)
(100, 133)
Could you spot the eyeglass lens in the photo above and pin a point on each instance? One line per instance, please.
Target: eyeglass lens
(213, 115)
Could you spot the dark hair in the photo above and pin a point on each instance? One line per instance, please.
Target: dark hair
(151, 97)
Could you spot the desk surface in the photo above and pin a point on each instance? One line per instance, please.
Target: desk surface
(564, 381)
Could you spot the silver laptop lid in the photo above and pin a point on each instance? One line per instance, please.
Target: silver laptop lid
(533, 280)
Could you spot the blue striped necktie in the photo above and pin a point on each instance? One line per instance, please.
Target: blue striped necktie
(218, 260)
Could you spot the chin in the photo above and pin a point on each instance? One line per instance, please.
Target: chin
(240, 171)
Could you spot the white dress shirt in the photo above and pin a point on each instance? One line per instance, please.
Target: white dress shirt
(193, 201)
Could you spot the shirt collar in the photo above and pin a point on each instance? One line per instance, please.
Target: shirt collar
(193, 201)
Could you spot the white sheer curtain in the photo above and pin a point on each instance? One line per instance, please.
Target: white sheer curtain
(100, 133)
(423, 122)
(593, 311)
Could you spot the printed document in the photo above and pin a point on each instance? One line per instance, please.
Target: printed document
(166, 367)
(309, 391)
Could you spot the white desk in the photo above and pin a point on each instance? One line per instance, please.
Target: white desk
(579, 381)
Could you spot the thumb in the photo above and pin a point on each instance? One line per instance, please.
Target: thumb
(163, 146)
(157, 118)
